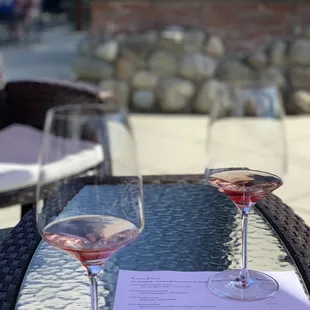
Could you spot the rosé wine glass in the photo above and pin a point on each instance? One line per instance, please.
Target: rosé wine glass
(246, 151)
(89, 192)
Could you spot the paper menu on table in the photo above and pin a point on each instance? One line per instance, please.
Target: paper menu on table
(188, 290)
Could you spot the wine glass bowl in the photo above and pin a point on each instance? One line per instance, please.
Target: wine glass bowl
(89, 193)
(246, 156)
(244, 187)
(247, 129)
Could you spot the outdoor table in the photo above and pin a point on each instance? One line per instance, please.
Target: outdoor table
(189, 226)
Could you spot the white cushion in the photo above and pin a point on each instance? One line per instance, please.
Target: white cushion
(20, 146)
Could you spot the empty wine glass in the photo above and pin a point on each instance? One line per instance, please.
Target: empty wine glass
(246, 159)
(89, 193)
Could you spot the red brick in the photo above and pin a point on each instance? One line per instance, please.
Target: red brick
(235, 21)
(282, 7)
(99, 5)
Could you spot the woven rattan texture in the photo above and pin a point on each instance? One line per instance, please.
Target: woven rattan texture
(28, 101)
(292, 230)
(16, 251)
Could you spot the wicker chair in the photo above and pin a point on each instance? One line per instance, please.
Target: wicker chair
(26, 102)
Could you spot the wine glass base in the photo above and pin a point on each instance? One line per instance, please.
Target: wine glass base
(224, 285)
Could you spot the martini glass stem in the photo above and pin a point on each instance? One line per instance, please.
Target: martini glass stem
(93, 272)
(244, 278)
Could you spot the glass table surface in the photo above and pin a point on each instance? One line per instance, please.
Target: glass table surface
(188, 227)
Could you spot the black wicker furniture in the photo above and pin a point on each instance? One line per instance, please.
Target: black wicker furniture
(26, 102)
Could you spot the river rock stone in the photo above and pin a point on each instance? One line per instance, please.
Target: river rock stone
(277, 56)
(174, 33)
(301, 101)
(150, 37)
(274, 75)
(300, 52)
(144, 79)
(119, 91)
(211, 92)
(163, 63)
(124, 68)
(107, 51)
(174, 94)
(234, 70)
(143, 99)
(172, 38)
(297, 30)
(85, 68)
(196, 66)
(193, 40)
(306, 32)
(257, 60)
(214, 47)
(136, 49)
(300, 77)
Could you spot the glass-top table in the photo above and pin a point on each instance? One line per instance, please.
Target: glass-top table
(189, 226)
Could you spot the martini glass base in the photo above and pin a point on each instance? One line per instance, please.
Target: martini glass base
(226, 285)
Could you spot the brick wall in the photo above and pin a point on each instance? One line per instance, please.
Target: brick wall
(240, 24)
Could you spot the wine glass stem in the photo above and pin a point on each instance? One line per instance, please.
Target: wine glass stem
(244, 263)
(93, 272)
(244, 274)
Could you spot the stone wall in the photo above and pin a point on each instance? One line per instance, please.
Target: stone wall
(182, 70)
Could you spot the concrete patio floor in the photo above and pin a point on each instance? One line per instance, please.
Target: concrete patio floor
(177, 145)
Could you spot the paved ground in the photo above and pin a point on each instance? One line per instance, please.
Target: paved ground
(51, 57)
(176, 144)
(166, 144)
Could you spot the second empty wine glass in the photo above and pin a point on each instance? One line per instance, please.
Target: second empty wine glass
(246, 157)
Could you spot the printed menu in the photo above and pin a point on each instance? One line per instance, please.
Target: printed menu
(189, 290)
